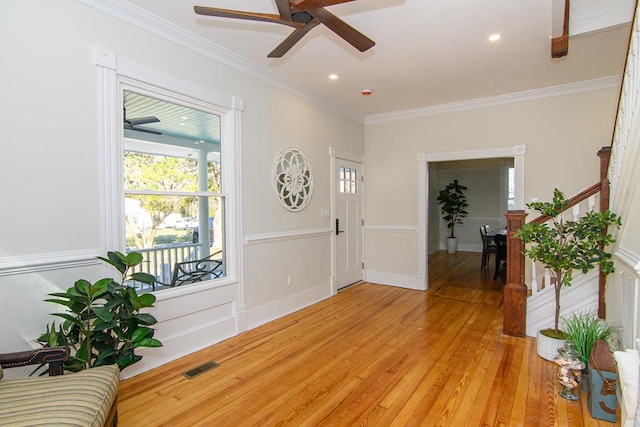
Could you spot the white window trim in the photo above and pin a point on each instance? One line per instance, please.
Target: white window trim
(115, 74)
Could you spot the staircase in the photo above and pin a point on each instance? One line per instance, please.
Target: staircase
(581, 296)
(527, 308)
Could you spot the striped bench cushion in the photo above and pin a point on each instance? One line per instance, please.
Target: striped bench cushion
(77, 399)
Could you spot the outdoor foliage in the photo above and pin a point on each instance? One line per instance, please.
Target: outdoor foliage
(144, 171)
(454, 203)
(564, 246)
(584, 329)
(103, 324)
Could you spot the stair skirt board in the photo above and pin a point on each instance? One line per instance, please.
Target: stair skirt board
(581, 296)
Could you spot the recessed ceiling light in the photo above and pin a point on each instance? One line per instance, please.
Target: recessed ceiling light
(333, 76)
(494, 37)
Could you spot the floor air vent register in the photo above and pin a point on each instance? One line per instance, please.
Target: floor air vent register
(192, 373)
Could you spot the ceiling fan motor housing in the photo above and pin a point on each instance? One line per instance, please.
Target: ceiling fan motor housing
(302, 17)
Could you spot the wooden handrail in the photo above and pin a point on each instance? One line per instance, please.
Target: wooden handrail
(580, 197)
(515, 291)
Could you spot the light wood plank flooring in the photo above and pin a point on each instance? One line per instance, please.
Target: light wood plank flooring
(372, 355)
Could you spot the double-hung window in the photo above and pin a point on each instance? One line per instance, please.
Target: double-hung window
(173, 198)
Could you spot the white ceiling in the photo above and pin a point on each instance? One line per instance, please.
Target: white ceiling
(427, 52)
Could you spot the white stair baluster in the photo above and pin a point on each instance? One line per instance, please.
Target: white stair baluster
(534, 279)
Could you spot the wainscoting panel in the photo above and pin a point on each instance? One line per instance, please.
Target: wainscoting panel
(628, 272)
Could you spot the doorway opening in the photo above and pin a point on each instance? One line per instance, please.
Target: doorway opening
(428, 208)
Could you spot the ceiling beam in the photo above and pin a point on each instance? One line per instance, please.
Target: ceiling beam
(560, 45)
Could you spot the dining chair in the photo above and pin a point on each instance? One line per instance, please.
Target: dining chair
(501, 254)
(488, 247)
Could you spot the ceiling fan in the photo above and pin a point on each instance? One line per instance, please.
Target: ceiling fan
(134, 124)
(303, 15)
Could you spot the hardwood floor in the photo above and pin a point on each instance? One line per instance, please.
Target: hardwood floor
(372, 355)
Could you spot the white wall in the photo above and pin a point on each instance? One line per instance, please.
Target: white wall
(486, 196)
(562, 135)
(50, 166)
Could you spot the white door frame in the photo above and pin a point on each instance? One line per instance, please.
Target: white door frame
(334, 156)
(517, 152)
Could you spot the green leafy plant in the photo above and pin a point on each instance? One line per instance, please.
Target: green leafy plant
(453, 204)
(103, 324)
(564, 246)
(584, 329)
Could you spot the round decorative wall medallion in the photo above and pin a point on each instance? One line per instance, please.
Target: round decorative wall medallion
(293, 179)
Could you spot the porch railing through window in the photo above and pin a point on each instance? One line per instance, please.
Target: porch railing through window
(160, 261)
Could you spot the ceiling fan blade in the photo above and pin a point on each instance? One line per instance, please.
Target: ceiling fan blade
(147, 130)
(293, 38)
(128, 126)
(315, 4)
(251, 16)
(344, 30)
(142, 120)
(284, 9)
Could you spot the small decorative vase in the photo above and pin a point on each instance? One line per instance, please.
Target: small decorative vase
(569, 370)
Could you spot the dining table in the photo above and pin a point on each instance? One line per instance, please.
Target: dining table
(491, 234)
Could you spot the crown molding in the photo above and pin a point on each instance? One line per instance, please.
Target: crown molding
(567, 89)
(138, 17)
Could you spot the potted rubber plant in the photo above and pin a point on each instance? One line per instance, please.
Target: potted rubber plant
(564, 246)
(453, 203)
(103, 323)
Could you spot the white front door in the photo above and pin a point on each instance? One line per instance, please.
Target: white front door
(348, 227)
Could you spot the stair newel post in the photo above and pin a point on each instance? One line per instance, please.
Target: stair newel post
(515, 291)
(604, 154)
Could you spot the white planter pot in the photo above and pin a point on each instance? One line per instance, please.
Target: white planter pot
(452, 245)
(548, 347)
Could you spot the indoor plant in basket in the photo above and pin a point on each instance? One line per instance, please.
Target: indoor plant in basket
(103, 323)
(564, 246)
(453, 204)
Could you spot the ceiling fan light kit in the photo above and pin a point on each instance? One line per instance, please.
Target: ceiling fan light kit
(302, 15)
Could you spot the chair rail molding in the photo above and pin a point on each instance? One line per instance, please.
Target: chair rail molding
(391, 228)
(282, 236)
(630, 258)
(26, 264)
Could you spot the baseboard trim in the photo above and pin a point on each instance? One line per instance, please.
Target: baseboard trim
(394, 279)
(276, 309)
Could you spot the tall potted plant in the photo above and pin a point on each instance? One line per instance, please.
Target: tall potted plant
(103, 324)
(564, 246)
(453, 203)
